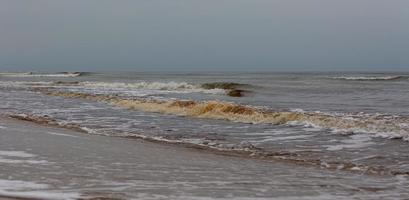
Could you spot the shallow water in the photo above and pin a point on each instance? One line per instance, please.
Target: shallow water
(346, 121)
(84, 166)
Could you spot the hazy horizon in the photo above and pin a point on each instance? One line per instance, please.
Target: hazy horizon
(186, 35)
(234, 71)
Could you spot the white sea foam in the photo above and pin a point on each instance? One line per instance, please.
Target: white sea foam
(21, 154)
(29, 74)
(284, 138)
(367, 78)
(187, 197)
(143, 85)
(61, 134)
(3, 127)
(15, 185)
(299, 110)
(134, 89)
(354, 142)
(14, 161)
(164, 86)
(89, 130)
(26, 189)
(19, 157)
(24, 83)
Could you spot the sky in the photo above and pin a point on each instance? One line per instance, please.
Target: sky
(204, 35)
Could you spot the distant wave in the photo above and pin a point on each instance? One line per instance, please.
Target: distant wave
(168, 86)
(31, 74)
(386, 127)
(233, 89)
(136, 88)
(229, 88)
(368, 78)
(143, 85)
(224, 85)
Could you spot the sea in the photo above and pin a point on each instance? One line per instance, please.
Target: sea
(356, 122)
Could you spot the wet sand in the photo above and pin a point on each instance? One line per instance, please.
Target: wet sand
(38, 162)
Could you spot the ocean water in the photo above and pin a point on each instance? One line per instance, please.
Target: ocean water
(356, 122)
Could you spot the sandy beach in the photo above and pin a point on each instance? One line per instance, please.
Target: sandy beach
(40, 162)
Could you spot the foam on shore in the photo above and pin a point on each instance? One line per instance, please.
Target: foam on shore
(17, 189)
(240, 150)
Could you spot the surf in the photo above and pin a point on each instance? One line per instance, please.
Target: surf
(368, 78)
(237, 150)
(33, 74)
(392, 127)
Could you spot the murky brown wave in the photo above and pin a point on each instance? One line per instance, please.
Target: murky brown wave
(384, 126)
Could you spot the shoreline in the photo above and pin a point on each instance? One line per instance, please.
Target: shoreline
(62, 162)
(252, 154)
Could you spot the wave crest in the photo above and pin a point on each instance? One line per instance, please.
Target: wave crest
(164, 86)
(368, 78)
(31, 74)
(223, 85)
(143, 85)
(233, 89)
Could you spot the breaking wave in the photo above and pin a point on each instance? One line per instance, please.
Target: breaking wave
(223, 85)
(31, 74)
(368, 78)
(172, 87)
(379, 125)
(168, 86)
(232, 89)
(17, 84)
(144, 85)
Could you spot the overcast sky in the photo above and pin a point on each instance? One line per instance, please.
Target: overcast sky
(143, 35)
